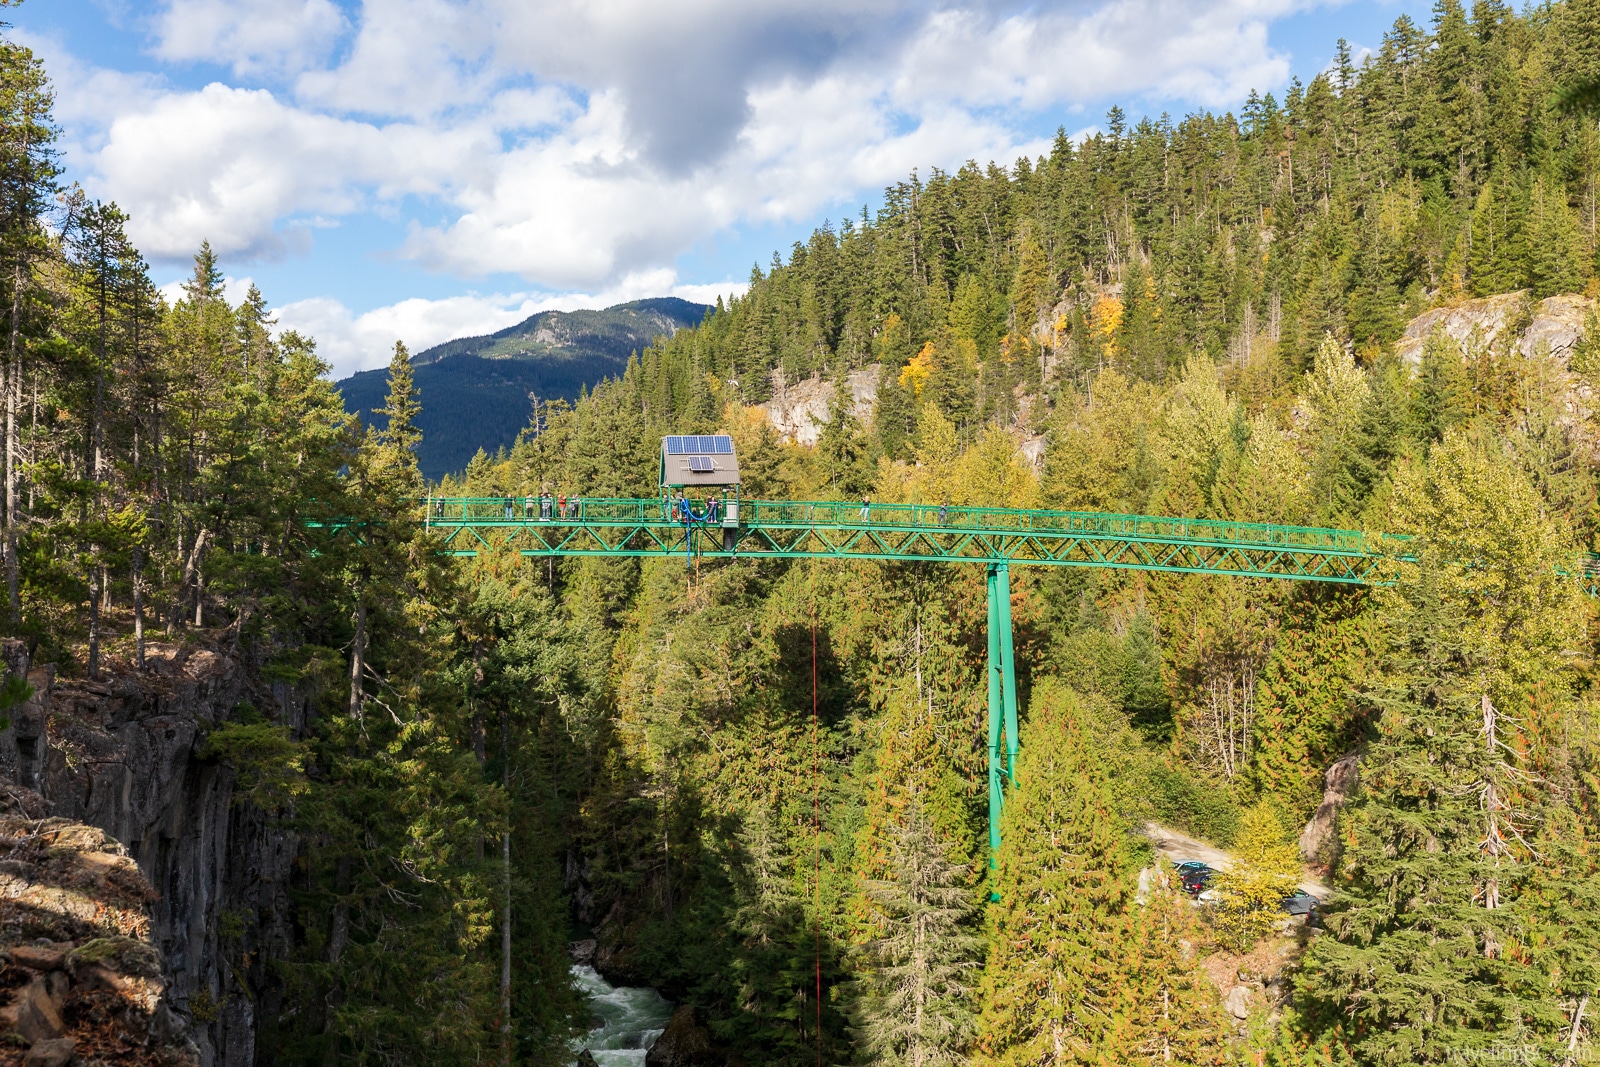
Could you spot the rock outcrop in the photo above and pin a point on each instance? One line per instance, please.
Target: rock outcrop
(799, 410)
(79, 974)
(1340, 780)
(118, 760)
(1556, 321)
(684, 1043)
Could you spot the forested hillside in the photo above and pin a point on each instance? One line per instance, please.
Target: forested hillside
(754, 783)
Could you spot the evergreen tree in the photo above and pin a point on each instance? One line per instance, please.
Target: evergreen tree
(1427, 953)
(1336, 394)
(392, 954)
(1555, 243)
(915, 1008)
(1307, 711)
(1499, 241)
(1166, 1009)
(1443, 395)
(1059, 929)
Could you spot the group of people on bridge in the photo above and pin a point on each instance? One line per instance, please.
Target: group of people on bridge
(562, 506)
(547, 506)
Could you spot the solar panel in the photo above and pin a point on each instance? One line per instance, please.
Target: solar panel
(701, 464)
(699, 445)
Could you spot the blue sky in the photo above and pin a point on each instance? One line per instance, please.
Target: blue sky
(422, 169)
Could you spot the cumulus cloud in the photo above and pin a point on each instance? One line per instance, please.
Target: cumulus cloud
(1209, 54)
(578, 143)
(251, 36)
(238, 166)
(352, 342)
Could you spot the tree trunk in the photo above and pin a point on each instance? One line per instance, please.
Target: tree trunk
(191, 569)
(338, 941)
(358, 659)
(13, 387)
(1576, 1033)
(505, 920)
(138, 607)
(93, 668)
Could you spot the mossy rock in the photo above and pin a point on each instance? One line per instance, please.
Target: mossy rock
(126, 955)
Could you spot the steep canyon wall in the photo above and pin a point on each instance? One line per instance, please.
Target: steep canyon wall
(122, 755)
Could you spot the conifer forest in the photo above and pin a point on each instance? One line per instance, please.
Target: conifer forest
(759, 787)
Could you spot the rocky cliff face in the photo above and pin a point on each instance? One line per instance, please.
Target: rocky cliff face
(120, 756)
(1556, 321)
(799, 410)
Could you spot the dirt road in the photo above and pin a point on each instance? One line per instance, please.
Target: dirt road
(1176, 847)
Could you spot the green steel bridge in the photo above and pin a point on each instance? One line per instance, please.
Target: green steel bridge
(997, 538)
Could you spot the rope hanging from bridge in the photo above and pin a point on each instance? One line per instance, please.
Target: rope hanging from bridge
(683, 510)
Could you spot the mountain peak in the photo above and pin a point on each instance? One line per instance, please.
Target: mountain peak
(615, 332)
(475, 390)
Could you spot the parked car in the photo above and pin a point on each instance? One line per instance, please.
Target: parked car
(1194, 875)
(1302, 905)
(1299, 903)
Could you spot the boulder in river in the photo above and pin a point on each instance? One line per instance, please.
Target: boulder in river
(684, 1043)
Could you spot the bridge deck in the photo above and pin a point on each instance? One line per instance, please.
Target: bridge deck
(844, 530)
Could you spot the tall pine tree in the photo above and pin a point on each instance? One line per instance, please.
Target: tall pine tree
(1058, 933)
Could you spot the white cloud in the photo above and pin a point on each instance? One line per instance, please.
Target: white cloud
(582, 143)
(351, 342)
(251, 36)
(238, 166)
(1209, 54)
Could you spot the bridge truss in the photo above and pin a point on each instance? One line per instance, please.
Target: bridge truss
(994, 537)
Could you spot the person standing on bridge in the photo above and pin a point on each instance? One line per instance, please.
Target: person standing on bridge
(527, 507)
(866, 509)
(510, 507)
(544, 506)
(944, 512)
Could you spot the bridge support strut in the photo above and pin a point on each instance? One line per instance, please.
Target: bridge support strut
(1002, 703)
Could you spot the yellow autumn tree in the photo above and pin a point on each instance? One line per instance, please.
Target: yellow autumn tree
(915, 374)
(1250, 895)
(995, 473)
(1106, 447)
(1105, 322)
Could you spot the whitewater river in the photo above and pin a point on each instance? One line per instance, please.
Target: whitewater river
(632, 1019)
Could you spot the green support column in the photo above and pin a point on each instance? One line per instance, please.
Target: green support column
(1002, 704)
(996, 714)
(1008, 667)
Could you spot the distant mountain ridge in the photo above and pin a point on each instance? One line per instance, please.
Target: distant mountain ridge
(617, 331)
(475, 390)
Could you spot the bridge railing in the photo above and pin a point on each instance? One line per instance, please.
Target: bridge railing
(846, 514)
(1013, 520)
